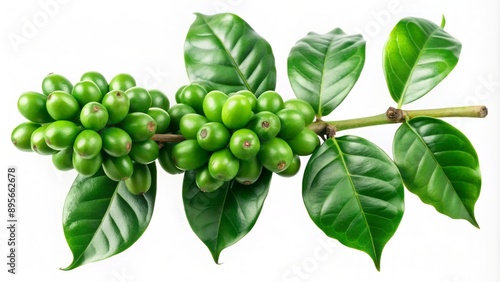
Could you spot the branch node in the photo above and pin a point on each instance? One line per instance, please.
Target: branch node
(330, 130)
(395, 115)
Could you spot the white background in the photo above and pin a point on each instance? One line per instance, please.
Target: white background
(146, 39)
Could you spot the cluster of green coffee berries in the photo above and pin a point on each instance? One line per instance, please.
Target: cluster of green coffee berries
(235, 136)
(93, 124)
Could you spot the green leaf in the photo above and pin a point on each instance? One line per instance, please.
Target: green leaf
(354, 193)
(221, 218)
(224, 52)
(101, 218)
(417, 56)
(439, 164)
(323, 68)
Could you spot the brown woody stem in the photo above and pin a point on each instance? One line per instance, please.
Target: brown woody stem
(168, 137)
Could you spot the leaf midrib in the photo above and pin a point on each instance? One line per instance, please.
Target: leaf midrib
(341, 155)
(230, 57)
(428, 150)
(323, 70)
(219, 223)
(403, 94)
(76, 261)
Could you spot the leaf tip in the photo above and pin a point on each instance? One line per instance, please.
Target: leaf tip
(199, 15)
(69, 267)
(376, 261)
(215, 256)
(474, 223)
(338, 31)
(443, 21)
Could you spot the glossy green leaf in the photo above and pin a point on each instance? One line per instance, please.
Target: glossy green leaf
(221, 218)
(439, 164)
(418, 55)
(354, 193)
(101, 218)
(323, 68)
(224, 52)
